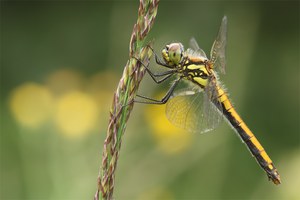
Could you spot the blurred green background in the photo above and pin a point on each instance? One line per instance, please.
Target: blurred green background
(61, 62)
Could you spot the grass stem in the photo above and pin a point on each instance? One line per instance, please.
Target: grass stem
(124, 95)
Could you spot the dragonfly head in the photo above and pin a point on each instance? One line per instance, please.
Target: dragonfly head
(173, 54)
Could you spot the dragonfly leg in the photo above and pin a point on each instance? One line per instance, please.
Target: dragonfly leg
(163, 79)
(167, 74)
(158, 60)
(148, 100)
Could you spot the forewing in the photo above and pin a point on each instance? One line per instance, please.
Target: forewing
(212, 107)
(217, 53)
(196, 49)
(192, 111)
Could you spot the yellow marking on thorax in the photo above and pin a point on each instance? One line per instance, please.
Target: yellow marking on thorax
(199, 80)
(194, 66)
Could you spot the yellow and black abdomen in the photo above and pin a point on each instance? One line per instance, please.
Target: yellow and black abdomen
(256, 149)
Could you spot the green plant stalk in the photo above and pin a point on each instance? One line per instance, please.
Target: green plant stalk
(123, 98)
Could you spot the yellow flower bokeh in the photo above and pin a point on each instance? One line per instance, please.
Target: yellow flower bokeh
(170, 139)
(31, 104)
(74, 103)
(76, 113)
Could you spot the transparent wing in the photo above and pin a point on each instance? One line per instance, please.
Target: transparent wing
(213, 109)
(217, 53)
(193, 111)
(194, 47)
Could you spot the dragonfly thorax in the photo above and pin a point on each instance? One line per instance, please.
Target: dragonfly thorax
(196, 73)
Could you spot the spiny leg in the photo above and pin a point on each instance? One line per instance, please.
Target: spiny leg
(158, 60)
(167, 74)
(164, 99)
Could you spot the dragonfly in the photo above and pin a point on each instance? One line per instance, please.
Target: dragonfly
(203, 103)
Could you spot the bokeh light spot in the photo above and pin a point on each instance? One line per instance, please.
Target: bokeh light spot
(76, 113)
(290, 189)
(31, 104)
